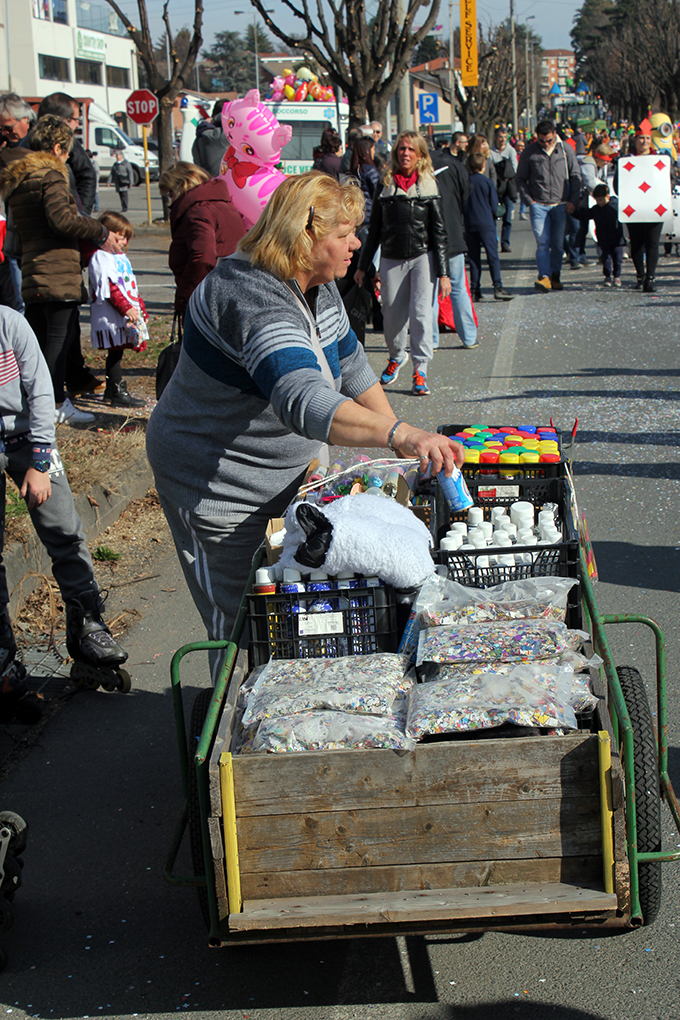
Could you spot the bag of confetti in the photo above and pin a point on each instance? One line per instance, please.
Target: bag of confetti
(510, 641)
(534, 598)
(327, 731)
(461, 702)
(547, 674)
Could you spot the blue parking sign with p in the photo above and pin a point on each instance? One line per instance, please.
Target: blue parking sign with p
(428, 103)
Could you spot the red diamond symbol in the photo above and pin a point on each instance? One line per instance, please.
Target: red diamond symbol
(629, 166)
(628, 211)
(660, 165)
(645, 187)
(660, 210)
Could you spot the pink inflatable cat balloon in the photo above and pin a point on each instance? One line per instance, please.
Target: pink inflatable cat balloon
(255, 142)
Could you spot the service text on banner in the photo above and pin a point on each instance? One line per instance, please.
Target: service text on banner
(469, 70)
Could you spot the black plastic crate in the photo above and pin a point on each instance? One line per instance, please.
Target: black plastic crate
(542, 471)
(360, 621)
(488, 492)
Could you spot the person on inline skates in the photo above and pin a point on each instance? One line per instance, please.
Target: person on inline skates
(29, 455)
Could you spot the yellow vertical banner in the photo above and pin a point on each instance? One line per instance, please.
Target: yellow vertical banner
(469, 68)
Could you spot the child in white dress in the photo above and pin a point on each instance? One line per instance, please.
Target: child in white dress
(117, 313)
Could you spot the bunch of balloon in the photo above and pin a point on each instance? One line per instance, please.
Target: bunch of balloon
(302, 86)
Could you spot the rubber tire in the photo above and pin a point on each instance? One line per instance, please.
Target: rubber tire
(199, 712)
(136, 176)
(19, 829)
(3, 958)
(647, 794)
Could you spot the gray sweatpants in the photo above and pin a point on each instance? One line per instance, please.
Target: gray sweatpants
(57, 525)
(215, 554)
(407, 291)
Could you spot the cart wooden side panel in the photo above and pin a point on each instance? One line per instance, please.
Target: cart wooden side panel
(413, 835)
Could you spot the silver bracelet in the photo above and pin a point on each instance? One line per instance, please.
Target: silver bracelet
(392, 431)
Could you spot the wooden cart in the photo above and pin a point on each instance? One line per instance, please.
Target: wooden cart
(494, 834)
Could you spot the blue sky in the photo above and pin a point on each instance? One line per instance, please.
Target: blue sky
(552, 20)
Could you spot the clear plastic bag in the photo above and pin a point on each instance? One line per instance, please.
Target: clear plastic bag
(459, 702)
(367, 685)
(581, 697)
(534, 598)
(510, 641)
(327, 731)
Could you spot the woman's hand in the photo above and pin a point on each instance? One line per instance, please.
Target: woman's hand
(445, 286)
(411, 442)
(359, 277)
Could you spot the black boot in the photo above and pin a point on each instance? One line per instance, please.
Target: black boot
(639, 283)
(648, 286)
(117, 395)
(88, 639)
(556, 282)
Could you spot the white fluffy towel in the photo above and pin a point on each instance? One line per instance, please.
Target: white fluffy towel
(371, 536)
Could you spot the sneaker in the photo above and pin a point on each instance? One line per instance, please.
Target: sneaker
(471, 347)
(420, 387)
(506, 248)
(617, 281)
(584, 261)
(391, 373)
(501, 294)
(555, 282)
(576, 265)
(68, 413)
(543, 284)
(523, 216)
(88, 384)
(606, 282)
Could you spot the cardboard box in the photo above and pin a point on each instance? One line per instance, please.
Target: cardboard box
(273, 551)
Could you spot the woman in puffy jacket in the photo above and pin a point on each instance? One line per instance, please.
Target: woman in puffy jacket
(205, 225)
(36, 189)
(407, 222)
(365, 169)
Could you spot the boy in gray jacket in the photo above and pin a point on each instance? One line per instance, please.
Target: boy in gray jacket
(29, 455)
(121, 178)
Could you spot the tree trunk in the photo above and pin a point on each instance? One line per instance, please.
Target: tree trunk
(165, 133)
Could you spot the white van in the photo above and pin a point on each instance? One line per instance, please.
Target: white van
(102, 135)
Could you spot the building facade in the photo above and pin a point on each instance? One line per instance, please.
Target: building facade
(557, 67)
(71, 46)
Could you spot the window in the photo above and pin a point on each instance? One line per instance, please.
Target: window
(53, 68)
(105, 138)
(88, 72)
(41, 9)
(305, 136)
(60, 12)
(117, 77)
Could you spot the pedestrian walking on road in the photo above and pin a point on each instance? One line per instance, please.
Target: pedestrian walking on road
(121, 178)
(609, 233)
(480, 230)
(549, 182)
(407, 222)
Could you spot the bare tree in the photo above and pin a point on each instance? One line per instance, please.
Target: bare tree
(368, 59)
(166, 89)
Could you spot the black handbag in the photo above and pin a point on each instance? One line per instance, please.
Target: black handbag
(357, 302)
(168, 358)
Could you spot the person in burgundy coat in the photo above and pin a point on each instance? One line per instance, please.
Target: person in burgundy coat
(205, 226)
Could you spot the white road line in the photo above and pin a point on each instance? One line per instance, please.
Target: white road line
(505, 355)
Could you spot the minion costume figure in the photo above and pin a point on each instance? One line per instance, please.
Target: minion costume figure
(663, 142)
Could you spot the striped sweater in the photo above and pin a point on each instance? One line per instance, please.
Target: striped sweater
(247, 407)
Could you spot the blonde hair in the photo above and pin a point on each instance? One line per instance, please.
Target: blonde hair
(48, 132)
(180, 178)
(423, 166)
(303, 209)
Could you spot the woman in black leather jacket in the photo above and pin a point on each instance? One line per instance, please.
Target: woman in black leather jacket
(408, 224)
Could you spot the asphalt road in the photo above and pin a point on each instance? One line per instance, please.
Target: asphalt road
(101, 790)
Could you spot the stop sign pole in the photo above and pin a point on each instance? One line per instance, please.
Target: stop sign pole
(142, 108)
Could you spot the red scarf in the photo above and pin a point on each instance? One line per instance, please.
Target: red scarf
(239, 171)
(406, 182)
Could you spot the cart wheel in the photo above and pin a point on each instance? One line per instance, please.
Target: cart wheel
(19, 829)
(199, 712)
(6, 914)
(647, 797)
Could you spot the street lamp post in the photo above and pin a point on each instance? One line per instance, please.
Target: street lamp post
(527, 126)
(514, 65)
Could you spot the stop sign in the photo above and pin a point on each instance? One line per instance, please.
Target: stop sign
(142, 106)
